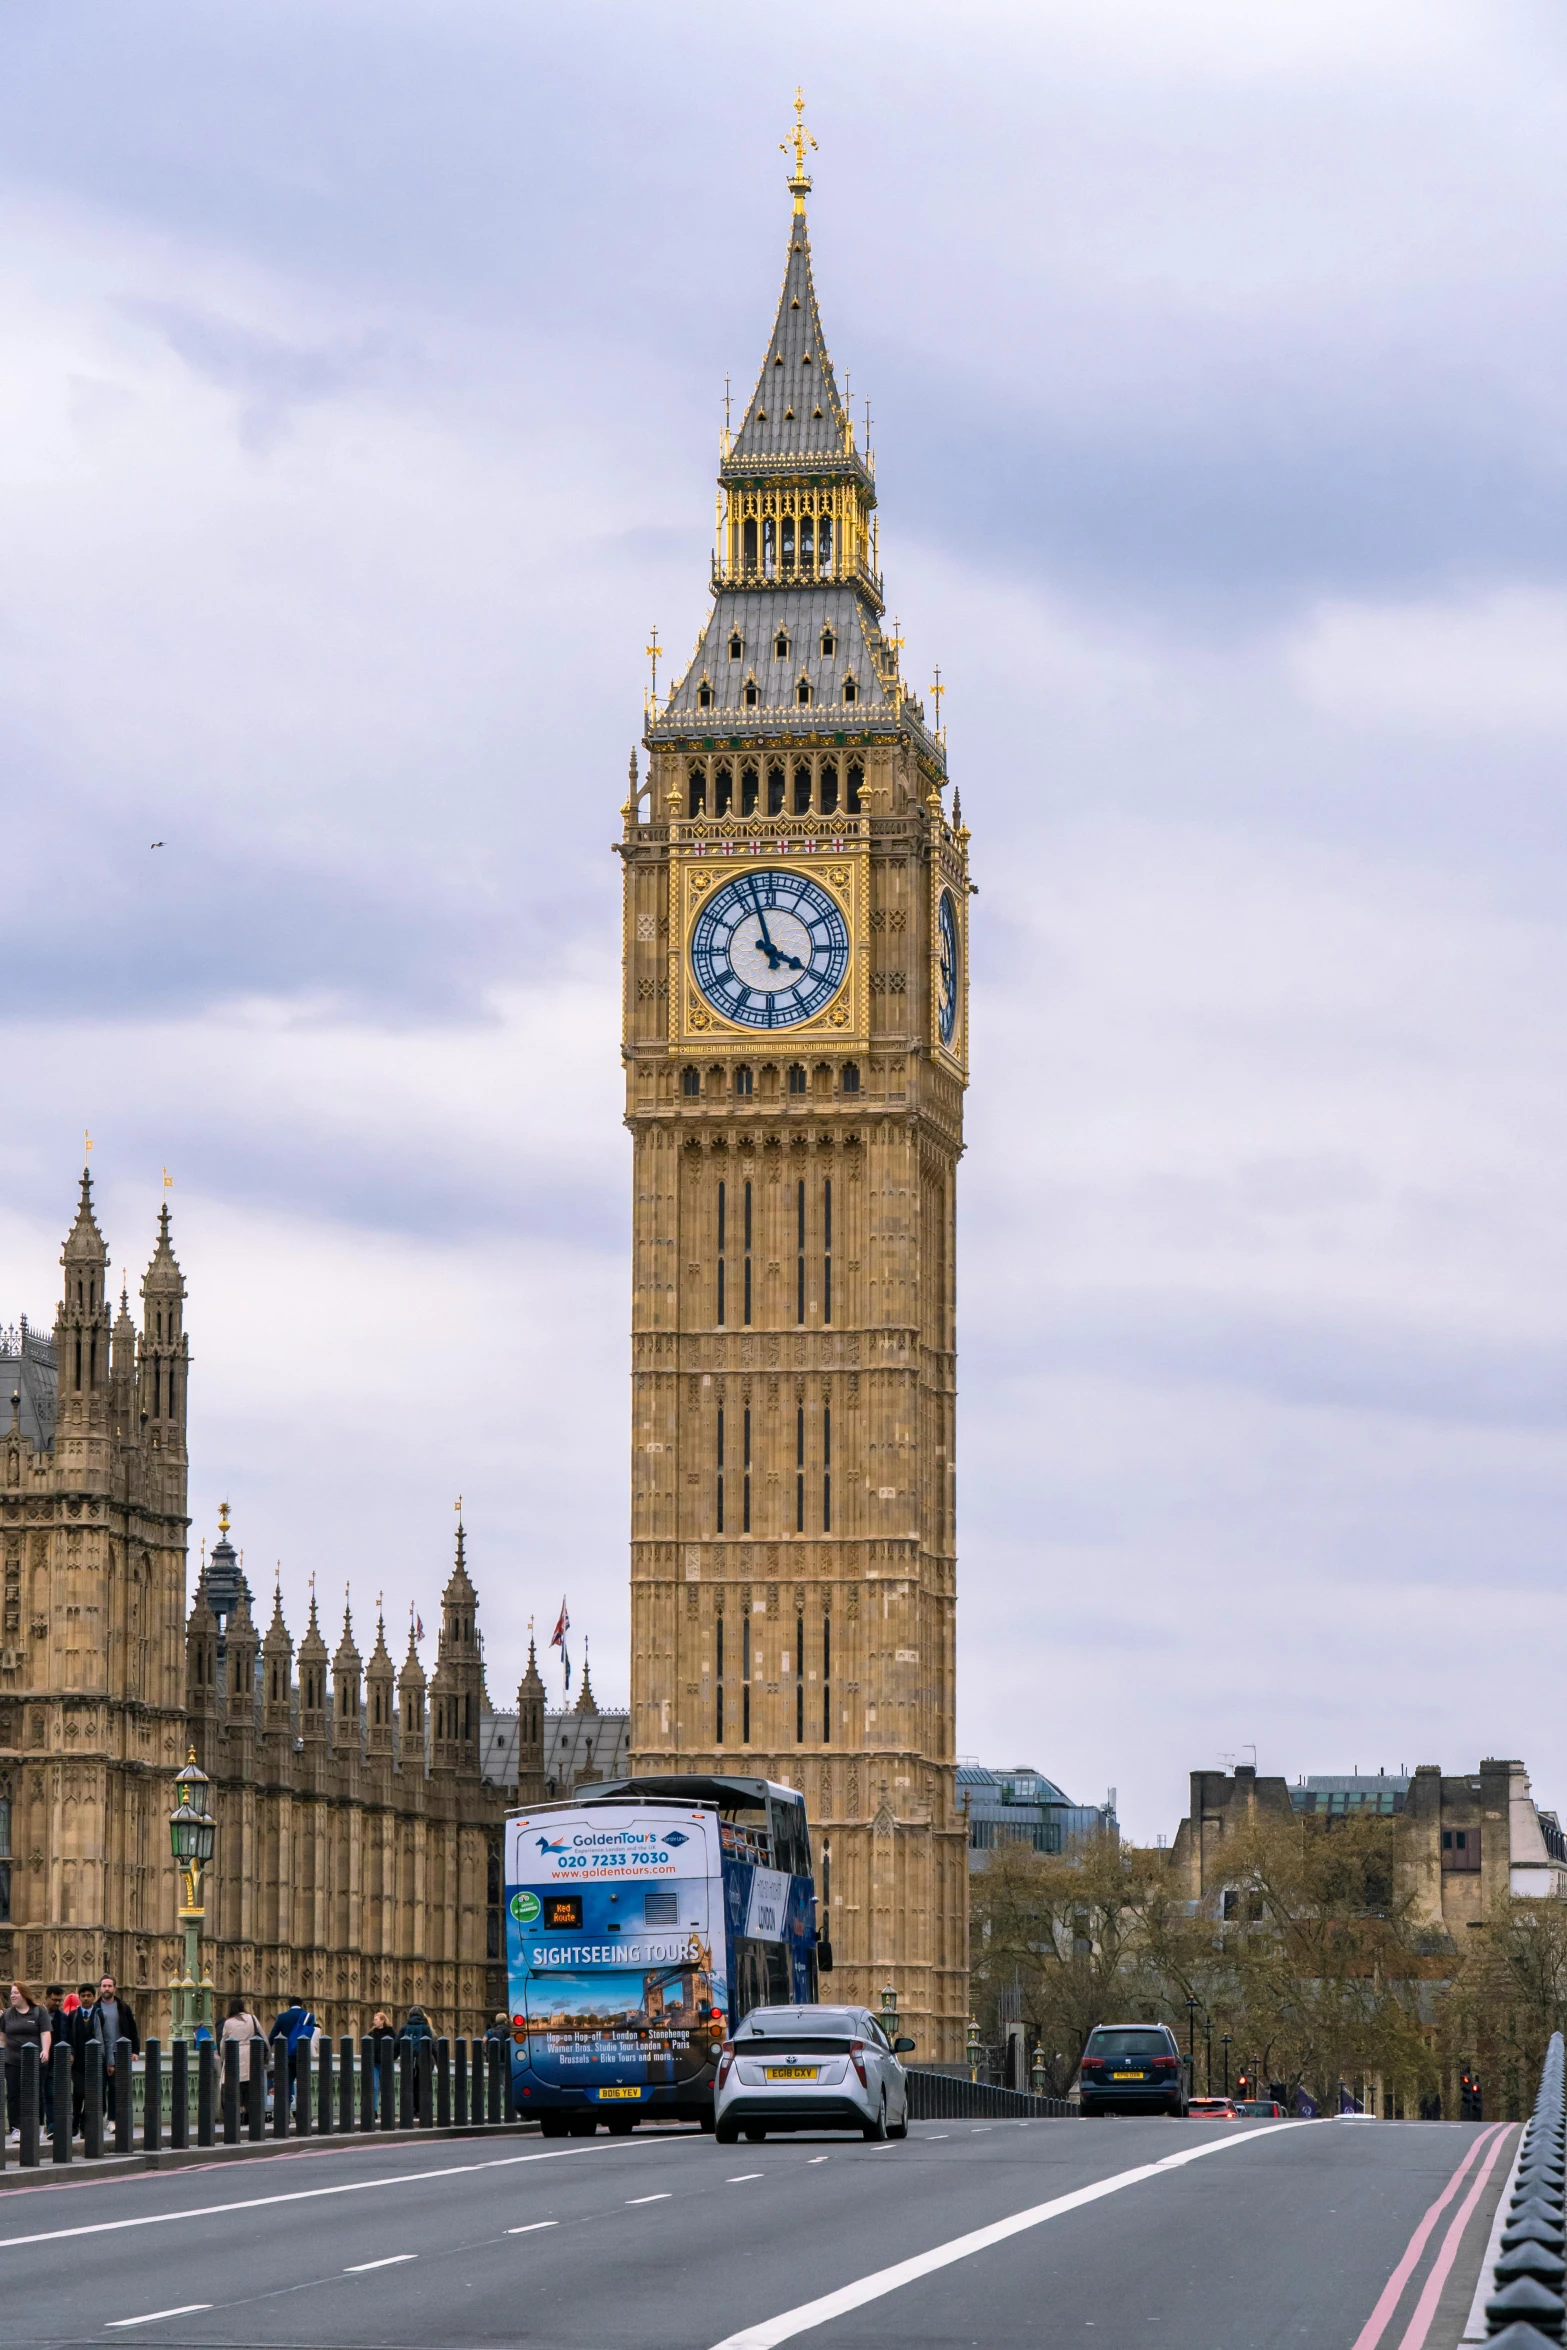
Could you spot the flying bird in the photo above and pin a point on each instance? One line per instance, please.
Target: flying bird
(157, 844)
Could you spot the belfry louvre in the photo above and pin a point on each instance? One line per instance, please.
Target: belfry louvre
(795, 1047)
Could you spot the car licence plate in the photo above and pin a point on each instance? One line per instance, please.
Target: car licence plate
(792, 2072)
(620, 2092)
(1128, 2076)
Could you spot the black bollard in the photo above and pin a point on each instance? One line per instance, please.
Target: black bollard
(345, 2084)
(460, 2085)
(367, 2083)
(388, 2071)
(124, 2112)
(179, 2095)
(302, 2086)
(405, 2087)
(60, 2058)
(206, 2086)
(280, 2087)
(256, 2089)
(92, 2103)
(152, 2097)
(231, 2092)
(27, 2152)
(443, 2083)
(476, 2108)
(497, 2069)
(324, 2089)
(426, 2083)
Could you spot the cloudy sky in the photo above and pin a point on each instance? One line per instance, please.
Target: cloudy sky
(363, 368)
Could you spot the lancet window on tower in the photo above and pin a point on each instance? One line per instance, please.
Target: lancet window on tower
(802, 787)
(827, 787)
(723, 790)
(775, 790)
(781, 644)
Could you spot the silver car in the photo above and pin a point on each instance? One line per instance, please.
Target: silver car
(811, 2068)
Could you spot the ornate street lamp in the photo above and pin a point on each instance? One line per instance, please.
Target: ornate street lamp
(192, 1834)
(888, 2018)
(974, 2046)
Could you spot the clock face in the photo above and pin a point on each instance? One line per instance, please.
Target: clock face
(947, 949)
(769, 949)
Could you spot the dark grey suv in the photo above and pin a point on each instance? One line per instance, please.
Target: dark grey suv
(1131, 2068)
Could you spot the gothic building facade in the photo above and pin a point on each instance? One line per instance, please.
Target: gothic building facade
(795, 1050)
(359, 1803)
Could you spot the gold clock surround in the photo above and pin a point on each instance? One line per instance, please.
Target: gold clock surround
(839, 866)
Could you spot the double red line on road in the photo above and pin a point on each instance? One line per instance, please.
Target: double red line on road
(1392, 2292)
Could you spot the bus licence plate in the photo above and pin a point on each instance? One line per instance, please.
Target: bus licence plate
(792, 2072)
(620, 2092)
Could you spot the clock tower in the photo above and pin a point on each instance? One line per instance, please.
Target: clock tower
(796, 1047)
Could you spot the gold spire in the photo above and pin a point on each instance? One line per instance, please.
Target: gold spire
(799, 139)
(223, 1521)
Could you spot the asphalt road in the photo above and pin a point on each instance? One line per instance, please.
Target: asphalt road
(1185, 2235)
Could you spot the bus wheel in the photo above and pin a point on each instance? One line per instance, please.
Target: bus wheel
(706, 2121)
(581, 2125)
(622, 2126)
(553, 2125)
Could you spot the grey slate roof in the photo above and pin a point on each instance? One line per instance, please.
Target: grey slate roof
(795, 410)
(802, 613)
(27, 1366)
(568, 1737)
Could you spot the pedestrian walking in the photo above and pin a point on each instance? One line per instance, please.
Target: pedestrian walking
(416, 2028)
(24, 2021)
(76, 2034)
(112, 2020)
(381, 2030)
(295, 2023)
(500, 2029)
(54, 2000)
(240, 2025)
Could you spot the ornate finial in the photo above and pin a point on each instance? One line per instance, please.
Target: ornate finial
(895, 641)
(799, 139)
(936, 691)
(168, 1180)
(457, 1505)
(87, 1144)
(223, 1521)
(653, 650)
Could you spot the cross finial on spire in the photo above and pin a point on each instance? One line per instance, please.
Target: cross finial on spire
(223, 1520)
(799, 139)
(653, 650)
(937, 690)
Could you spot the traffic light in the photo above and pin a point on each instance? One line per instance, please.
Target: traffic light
(1470, 2105)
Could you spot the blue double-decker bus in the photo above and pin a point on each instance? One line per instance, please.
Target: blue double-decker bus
(644, 1918)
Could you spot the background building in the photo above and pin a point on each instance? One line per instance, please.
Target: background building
(796, 1138)
(359, 1803)
(1464, 1842)
(1024, 1807)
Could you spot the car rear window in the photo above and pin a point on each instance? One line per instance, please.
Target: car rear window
(1129, 2043)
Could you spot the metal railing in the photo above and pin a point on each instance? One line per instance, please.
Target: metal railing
(192, 2094)
(1523, 2292)
(940, 2097)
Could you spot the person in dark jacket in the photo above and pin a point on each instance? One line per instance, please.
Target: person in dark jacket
(25, 2023)
(112, 2020)
(76, 2040)
(416, 2028)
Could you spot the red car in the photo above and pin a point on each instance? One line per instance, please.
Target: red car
(1213, 2109)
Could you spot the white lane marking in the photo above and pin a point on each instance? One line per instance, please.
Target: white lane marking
(663, 2198)
(905, 2272)
(412, 2178)
(362, 2268)
(935, 2134)
(816, 2158)
(533, 2227)
(741, 2177)
(185, 2309)
(983, 2129)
